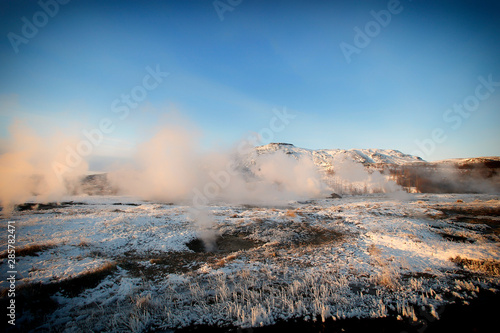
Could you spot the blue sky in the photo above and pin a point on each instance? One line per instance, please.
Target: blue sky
(226, 76)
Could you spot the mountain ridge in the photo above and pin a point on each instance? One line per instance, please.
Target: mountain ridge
(368, 156)
(459, 175)
(326, 156)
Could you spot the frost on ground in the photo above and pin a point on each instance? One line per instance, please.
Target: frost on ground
(359, 256)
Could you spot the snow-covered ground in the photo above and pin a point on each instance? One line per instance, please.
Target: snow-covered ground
(357, 256)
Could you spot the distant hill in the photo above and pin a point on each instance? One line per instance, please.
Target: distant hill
(325, 157)
(459, 175)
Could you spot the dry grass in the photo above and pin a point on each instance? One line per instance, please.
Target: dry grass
(388, 277)
(490, 267)
(269, 253)
(105, 268)
(373, 250)
(83, 243)
(29, 250)
(290, 213)
(222, 262)
(87, 279)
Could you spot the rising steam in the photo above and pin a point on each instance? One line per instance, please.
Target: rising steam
(353, 178)
(165, 168)
(172, 167)
(27, 167)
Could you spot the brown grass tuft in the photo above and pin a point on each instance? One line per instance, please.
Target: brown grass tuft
(388, 279)
(373, 250)
(222, 262)
(83, 243)
(489, 266)
(29, 250)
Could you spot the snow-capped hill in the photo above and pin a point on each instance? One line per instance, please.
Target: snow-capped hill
(372, 156)
(325, 157)
(275, 146)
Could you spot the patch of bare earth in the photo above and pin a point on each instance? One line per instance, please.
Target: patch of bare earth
(474, 208)
(476, 212)
(304, 238)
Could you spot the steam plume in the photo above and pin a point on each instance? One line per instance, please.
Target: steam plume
(27, 167)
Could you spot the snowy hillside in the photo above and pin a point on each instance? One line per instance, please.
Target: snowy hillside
(368, 170)
(325, 157)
